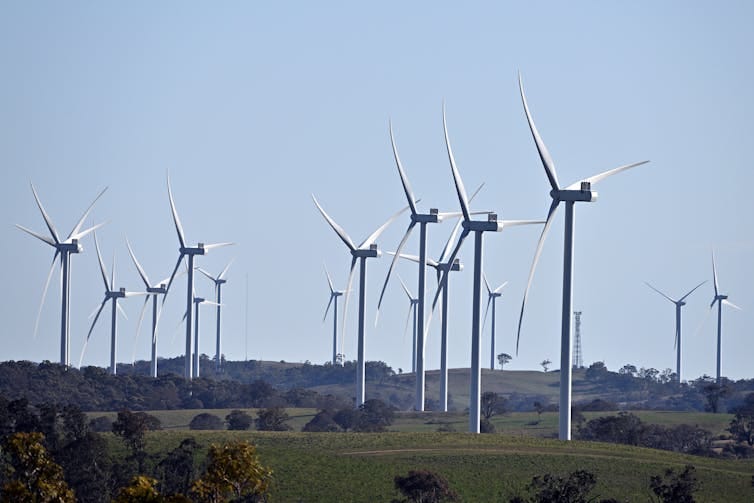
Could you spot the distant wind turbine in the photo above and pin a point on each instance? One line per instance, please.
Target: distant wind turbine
(64, 249)
(219, 281)
(112, 295)
(413, 302)
(579, 191)
(678, 305)
(189, 252)
(479, 227)
(492, 296)
(367, 249)
(720, 299)
(198, 301)
(334, 294)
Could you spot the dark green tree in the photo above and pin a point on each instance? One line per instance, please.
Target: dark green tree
(423, 486)
(347, 418)
(175, 472)
(375, 416)
(239, 420)
(672, 487)
(206, 421)
(272, 419)
(492, 404)
(322, 422)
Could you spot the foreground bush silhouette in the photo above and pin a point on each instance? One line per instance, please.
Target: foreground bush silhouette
(423, 486)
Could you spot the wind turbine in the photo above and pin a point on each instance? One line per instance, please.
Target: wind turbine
(367, 249)
(334, 294)
(582, 192)
(492, 296)
(112, 295)
(64, 249)
(197, 302)
(678, 305)
(479, 227)
(442, 265)
(219, 281)
(189, 252)
(720, 299)
(153, 291)
(422, 219)
(413, 302)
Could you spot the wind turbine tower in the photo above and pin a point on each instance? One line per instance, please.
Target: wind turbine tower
(577, 192)
(189, 252)
(334, 294)
(720, 299)
(219, 281)
(678, 305)
(197, 302)
(413, 302)
(492, 296)
(578, 361)
(367, 249)
(64, 249)
(478, 227)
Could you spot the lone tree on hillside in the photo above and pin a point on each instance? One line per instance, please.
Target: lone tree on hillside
(545, 364)
(503, 358)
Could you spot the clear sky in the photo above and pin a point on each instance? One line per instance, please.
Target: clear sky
(254, 106)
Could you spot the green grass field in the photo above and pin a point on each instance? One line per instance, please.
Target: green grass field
(342, 467)
(360, 467)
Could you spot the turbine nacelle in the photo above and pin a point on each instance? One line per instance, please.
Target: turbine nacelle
(197, 250)
(72, 247)
(491, 225)
(432, 217)
(584, 194)
(370, 252)
(162, 289)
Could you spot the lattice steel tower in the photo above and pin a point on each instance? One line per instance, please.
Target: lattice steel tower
(578, 363)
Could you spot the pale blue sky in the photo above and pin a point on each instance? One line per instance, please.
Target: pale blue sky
(254, 106)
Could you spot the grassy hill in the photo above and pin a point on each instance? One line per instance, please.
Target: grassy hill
(356, 467)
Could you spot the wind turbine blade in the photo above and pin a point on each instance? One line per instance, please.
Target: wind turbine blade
(544, 155)
(337, 228)
(112, 272)
(140, 269)
(46, 217)
(96, 317)
(44, 295)
(101, 265)
(329, 282)
(656, 290)
(347, 296)
(136, 294)
(460, 190)
(405, 289)
(486, 310)
(726, 302)
(596, 178)
(444, 280)
(404, 179)
(704, 320)
(390, 269)
(83, 233)
(451, 238)
(498, 289)
(176, 219)
(141, 318)
(408, 320)
(692, 290)
(537, 253)
(77, 229)
(208, 275)
(376, 234)
(327, 309)
(47, 240)
(120, 310)
(486, 284)
(212, 246)
(225, 271)
(172, 277)
(714, 273)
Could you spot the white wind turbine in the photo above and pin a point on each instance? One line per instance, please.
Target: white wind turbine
(441, 265)
(492, 296)
(367, 249)
(219, 281)
(720, 299)
(189, 252)
(413, 302)
(334, 294)
(112, 295)
(678, 305)
(64, 249)
(198, 301)
(579, 191)
(422, 219)
(153, 291)
(479, 227)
